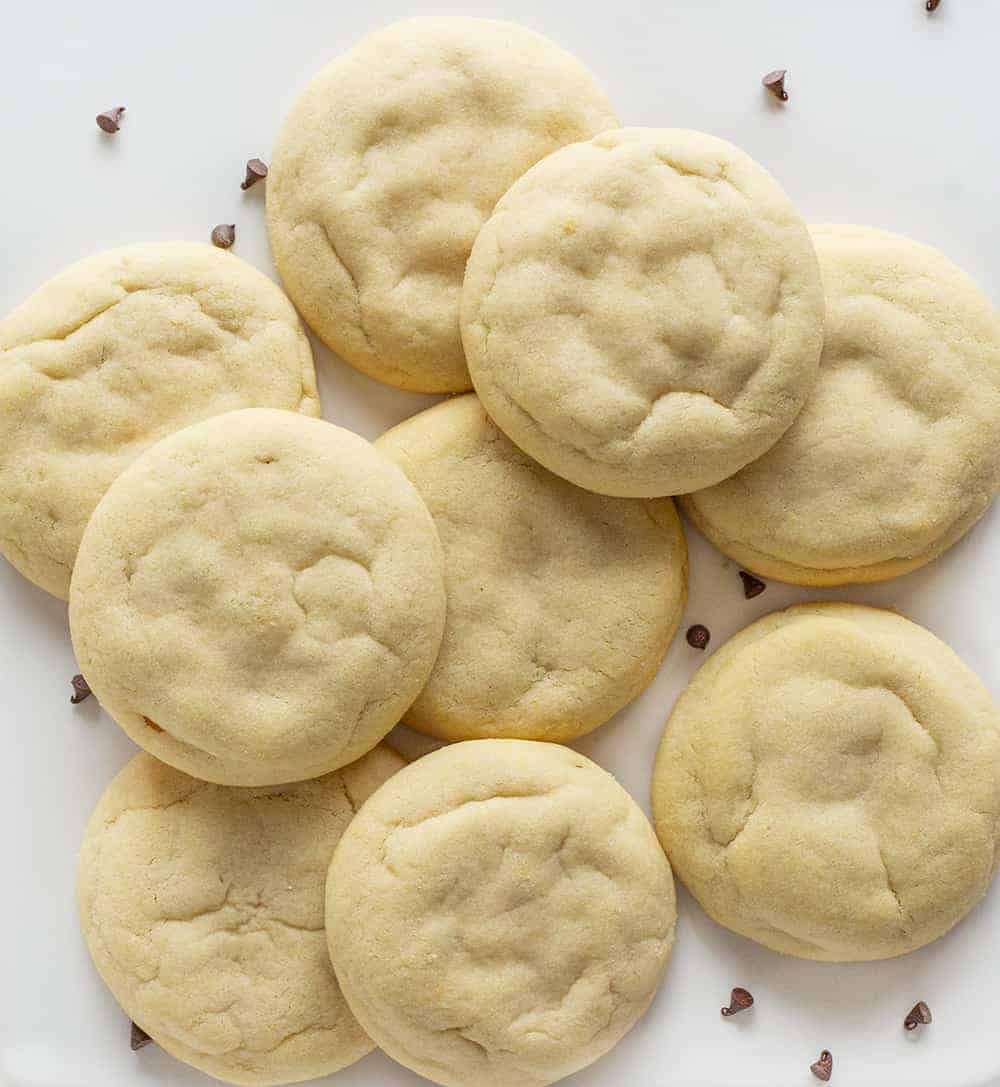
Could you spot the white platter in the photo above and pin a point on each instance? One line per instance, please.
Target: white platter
(891, 122)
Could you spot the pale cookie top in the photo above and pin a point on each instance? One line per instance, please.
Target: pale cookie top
(499, 914)
(202, 907)
(561, 602)
(829, 784)
(113, 354)
(258, 598)
(388, 165)
(896, 453)
(643, 313)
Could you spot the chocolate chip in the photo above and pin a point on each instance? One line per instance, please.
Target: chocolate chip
(698, 636)
(823, 1068)
(932, 5)
(81, 690)
(139, 1037)
(752, 586)
(110, 120)
(919, 1014)
(256, 171)
(775, 83)
(739, 1000)
(224, 235)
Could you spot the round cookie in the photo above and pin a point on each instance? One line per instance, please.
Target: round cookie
(643, 312)
(115, 353)
(499, 914)
(895, 454)
(202, 907)
(561, 602)
(258, 598)
(388, 165)
(829, 784)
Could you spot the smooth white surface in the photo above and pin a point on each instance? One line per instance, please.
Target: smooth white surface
(891, 121)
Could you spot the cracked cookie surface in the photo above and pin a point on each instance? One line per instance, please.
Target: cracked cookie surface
(829, 784)
(203, 908)
(895, 455)
(388, 165)
(642, 313)
(509, 914)
(561, 602)
(114, 353)
(258, 598)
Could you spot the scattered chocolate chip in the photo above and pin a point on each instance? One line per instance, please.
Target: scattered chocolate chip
(775, 83)
(698, 636)
(224, 235)
(823, 1068)
(919, 1014)
(81, 690)
(110, 120)
(739, 1000)
(256, 171)
(932, 5)
(752, 586)
(139, 1037)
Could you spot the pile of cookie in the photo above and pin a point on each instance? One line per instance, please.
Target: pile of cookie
(257, 596)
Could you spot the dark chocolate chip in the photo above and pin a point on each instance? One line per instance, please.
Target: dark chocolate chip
(698, 636)
(932, 5)
(256, 171)
(775, 83)
(823, 1068)
(224, 235)
(139, 1037)
(81, 690)
(110, 120)
(919, 1014)
(752, 586)
(739, 1000)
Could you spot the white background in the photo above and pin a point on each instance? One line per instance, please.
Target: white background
(892, 121)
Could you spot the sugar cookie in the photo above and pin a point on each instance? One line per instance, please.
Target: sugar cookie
(829, 784)
(258, 598)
